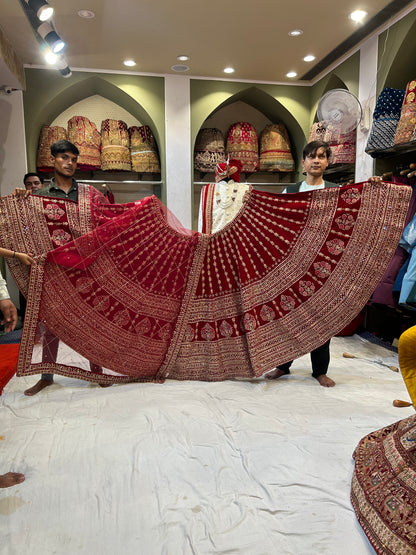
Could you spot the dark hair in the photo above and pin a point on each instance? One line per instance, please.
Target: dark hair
(32, 174)
(59, 147)
(314, 146)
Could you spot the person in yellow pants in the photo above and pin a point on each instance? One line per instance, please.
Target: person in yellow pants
(407, 361)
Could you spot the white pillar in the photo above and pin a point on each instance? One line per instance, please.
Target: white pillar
(178, 148)
(12, 156)
(364, 165)
(12, 142)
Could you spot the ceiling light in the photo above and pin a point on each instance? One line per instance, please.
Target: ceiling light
(86, 14)
(129, 63)
(358, 15)
(63, 67)
(183, 58)
(50, 57)
(295, 33)
(41, 8)
(291, 74)
(51, 37)
(228, 70)
(179, 68)
(309, 58)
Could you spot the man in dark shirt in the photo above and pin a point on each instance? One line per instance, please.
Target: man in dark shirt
(32, 181)
(62, 185)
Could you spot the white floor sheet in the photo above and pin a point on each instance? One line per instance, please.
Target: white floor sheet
(238, 467)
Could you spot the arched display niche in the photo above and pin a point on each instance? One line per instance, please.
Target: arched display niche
(93, 108)
(255, 103)
(260, 109)
(79, 91)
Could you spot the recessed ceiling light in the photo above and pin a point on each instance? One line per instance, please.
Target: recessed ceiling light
(228, 70)
(86, 14)
(179, 68)
(291, 74)
(183, 58)
(309, 58)
(295, 33)
(129, 63)
(358, 15)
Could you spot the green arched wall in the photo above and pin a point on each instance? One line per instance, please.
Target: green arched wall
(280, 103)
(48, 94)
(397, 54)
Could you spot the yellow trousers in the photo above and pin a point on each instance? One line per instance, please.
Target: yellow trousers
(407, 361)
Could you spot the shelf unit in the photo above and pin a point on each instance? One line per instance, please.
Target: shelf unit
(396, 158)
(382, 320)
(125, 186)
(342, 171)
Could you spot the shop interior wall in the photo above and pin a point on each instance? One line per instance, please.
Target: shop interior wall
(48, 94)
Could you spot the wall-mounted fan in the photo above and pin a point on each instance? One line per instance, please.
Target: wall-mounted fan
(340, 108)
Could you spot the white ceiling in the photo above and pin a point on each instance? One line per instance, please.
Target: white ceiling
(250, 36)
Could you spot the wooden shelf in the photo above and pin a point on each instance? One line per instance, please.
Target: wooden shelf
(260, 178)
(112, 178)
(340, 168)
(403, 148)
(282, 185)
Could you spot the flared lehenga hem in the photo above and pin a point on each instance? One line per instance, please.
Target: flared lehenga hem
(132, 292)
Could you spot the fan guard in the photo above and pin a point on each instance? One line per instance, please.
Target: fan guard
(340, 108)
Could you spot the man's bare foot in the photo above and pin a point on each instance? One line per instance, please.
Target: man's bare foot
(274, 374)
(325, 381)
(38, 387)
(11, 479)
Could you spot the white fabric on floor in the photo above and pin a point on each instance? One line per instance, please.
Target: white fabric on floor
(242, 467)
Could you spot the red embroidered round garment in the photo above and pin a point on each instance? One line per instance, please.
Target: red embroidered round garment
(383, 490)
(145, 299)
(242, 145)
(84, 135)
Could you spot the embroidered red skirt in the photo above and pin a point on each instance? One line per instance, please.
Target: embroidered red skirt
(124, 287)
(383, 490)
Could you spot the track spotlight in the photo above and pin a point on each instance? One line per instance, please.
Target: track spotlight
(63, 67)
(41, 8)
(50, 57)
(51, 37)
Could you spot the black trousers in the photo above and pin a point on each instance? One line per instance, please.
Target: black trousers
(319, 358)
(50, 354)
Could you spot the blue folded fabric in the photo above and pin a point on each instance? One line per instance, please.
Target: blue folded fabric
(386, 117)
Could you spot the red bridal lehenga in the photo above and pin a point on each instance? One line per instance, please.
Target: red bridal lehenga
(127, 289)
(383, 490)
